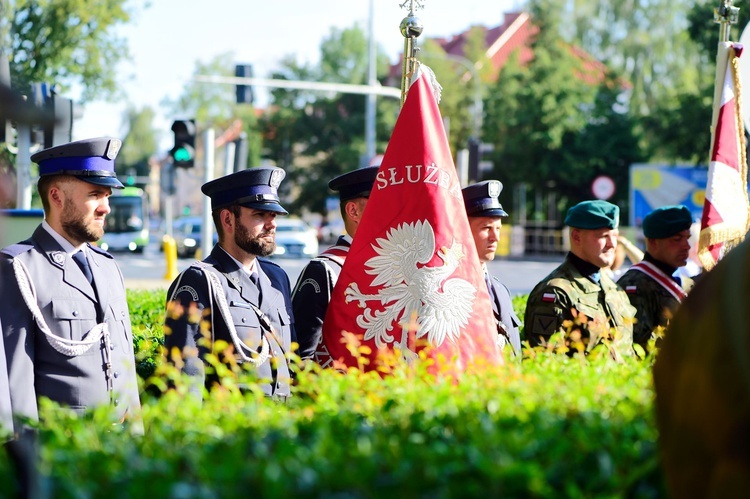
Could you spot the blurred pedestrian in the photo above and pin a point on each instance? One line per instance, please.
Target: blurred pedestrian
(652, 285)
(316, 281)
(64, 312)
(577, 298)
(485, 219)
(235, 296)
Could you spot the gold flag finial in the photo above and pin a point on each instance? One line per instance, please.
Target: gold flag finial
(411, 27)
(726, 15)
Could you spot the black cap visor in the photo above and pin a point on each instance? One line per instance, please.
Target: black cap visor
(265, 206)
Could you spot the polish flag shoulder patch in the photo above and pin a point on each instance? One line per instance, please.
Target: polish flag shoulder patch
(548, 297)
(631, 289)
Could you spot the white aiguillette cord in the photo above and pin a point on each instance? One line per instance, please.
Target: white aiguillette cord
(246, 353)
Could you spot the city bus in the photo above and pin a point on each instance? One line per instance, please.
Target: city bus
(126, 228)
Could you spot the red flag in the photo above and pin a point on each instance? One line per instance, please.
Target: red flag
(725, 209)
(412, 281)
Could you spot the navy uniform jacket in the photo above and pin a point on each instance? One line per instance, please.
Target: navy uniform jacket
(505, 317)
(312, 294)
(71, 308)
(183, 324)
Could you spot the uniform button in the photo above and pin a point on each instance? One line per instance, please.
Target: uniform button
(111, 346)
(244, 319)
(117, 401)
(117, 374)
(75, 313)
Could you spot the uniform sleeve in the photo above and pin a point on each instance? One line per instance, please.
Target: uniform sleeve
(546, 310)
(187, 326)
(310, 302)
(18, 337)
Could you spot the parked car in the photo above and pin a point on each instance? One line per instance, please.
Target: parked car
(294, 238)
(187, 236)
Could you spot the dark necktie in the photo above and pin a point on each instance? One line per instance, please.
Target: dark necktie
(83, 264)
(256, 282)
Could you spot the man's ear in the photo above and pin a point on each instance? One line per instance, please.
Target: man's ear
(352, 210)
(575, 235)
(227, 220)
(56, 196)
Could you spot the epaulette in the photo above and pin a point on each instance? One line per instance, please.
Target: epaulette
(16, 249)
(97, 249)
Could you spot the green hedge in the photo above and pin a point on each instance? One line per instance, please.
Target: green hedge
(553, 426)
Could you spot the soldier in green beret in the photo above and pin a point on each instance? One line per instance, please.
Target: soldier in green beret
(650, 284)
(577, 298)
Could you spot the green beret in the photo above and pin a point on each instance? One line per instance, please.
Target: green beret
(667, 221)
(596, 214)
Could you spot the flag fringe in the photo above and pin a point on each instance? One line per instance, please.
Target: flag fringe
(729, 235)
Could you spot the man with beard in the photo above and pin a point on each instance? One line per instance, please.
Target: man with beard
(577, 298)
(651, 286)
(235, 306)
(316, 281)
(485, 219)
(66, 325)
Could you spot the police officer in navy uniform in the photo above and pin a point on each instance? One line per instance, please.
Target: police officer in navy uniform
(65, 319)
(235, 295)
(315, 284)
(485, 219)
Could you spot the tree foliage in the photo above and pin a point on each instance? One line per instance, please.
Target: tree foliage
(65, 42)
(140, 142)
(214, 105)
(318, 136)
(554, 122)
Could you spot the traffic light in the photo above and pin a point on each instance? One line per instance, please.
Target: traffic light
(244, 92)
(477, 149)
(183, 152)
(473, 147)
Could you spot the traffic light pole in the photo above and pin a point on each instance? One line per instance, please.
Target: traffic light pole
(23, 167)
(207, 230)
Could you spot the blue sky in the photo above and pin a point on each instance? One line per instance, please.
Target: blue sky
(168, 37)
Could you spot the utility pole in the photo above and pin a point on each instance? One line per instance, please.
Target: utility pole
(371, 81)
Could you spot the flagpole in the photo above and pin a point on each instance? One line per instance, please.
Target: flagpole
(411, 27)
(726, 15)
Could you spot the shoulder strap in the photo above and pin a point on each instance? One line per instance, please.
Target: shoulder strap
(661, 278)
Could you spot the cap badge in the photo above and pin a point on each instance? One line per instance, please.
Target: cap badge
(493, 188)
(113, 147)
(276, 177)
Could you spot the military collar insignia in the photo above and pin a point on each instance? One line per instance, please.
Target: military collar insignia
(58, 257)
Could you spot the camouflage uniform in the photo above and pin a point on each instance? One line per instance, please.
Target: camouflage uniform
(553, 300)
(654, 305)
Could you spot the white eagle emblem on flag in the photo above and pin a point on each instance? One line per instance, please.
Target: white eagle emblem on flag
(442, 304)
